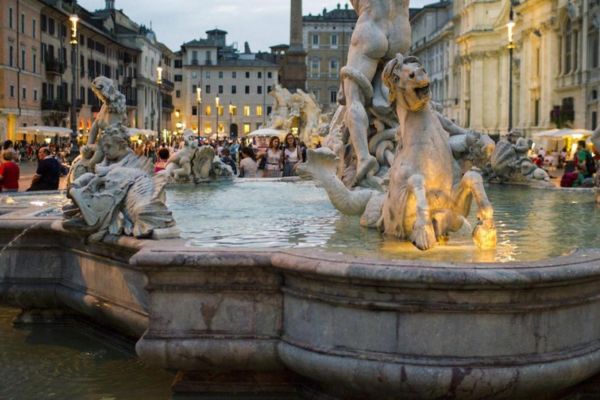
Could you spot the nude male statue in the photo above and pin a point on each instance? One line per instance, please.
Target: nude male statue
(381, 31)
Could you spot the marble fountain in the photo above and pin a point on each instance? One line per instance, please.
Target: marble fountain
(263, 289)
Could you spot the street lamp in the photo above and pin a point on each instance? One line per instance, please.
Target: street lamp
(199, 107)
(217, 104)
(511, 45)
(230, 116)
(159, 83)
(74, 19)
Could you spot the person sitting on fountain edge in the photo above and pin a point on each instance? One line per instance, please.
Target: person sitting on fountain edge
(47, 175)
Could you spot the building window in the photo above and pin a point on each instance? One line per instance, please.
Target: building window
(220, 89)
(34, 63)
(569, 38)
(246, 111)
(594, 120)
(11, 56)
(315, 66)
(12, 91)
(269, 109)
(44, 23)
(22, 23)
(207, 89)
(594, 47)
(247, 74)
(10, 18)
(24, 96)
(269, 88)
(178, 78)
(259, 74)
(334, 67)
(233, 89)
(247, 89)
(220, 111)
(51, 26)
(220, 74)
(194, 110)
(259, 89)
(333, 96)
(33, 28)
(23, 59)
(81, 95)
(207, 74)
(315, 40)
(247, 128)
(35, 95)
(208, 111)
(270, 75)
(233, 74)
(178, 64)
(232, 110)
(334, 41)
(259, 111)
(178, 94)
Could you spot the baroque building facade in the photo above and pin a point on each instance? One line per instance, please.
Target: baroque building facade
(36, 70)
(220, 91)
(555, 64)
(326, 38)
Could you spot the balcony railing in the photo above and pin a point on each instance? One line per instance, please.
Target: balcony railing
(55, 105)
(167, 86)
(54, 67)
(167, 103)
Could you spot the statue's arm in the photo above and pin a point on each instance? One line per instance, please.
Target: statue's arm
(96, 126)
(450, 126)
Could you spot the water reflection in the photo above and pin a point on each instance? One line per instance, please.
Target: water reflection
(532, 223)
(72, 361)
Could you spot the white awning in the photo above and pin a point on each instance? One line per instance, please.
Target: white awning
(48, 131)
(562, 133)
(268, 132)
(142, 132)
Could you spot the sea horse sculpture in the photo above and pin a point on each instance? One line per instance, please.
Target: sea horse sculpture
(423, 202)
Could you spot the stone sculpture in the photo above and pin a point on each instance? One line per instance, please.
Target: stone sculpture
(193, 164)
(122, 197)
(510, 162)
(424, 202)
(299, 105)
(112, 112)
(118, 194)
(381, 31)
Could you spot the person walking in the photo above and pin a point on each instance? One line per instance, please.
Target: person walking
(47, 175)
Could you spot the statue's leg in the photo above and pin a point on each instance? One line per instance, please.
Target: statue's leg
(423, 233)
(471, 187)
(357, 120)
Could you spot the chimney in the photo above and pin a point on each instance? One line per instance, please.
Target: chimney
(247, 48)
(296, 26)
(110, 4)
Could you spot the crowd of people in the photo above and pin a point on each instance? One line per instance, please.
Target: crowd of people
(51, 165)
(579, 172)
(246, 157)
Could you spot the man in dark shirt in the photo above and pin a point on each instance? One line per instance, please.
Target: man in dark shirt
(47, 175)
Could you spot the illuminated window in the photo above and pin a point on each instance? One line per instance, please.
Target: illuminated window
(246, 111)
(220, 111)
(207, 127)
(246, 128)
(233, 110)
(259, 111)
(208, 111)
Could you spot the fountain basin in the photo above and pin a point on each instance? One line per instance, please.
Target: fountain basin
(305, 322)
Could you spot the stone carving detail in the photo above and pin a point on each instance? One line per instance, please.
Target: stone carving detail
(510, 163)
(299, 105)
(425, 199)
(119, 194)
(193, 164)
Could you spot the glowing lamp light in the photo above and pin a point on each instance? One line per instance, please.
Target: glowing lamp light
(198, 95)
(74, 20)
(47, 140)
(510, 26)
(159, 71)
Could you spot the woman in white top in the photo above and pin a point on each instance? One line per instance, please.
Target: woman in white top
(291, 155)
(273, 159)
(248, 165)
